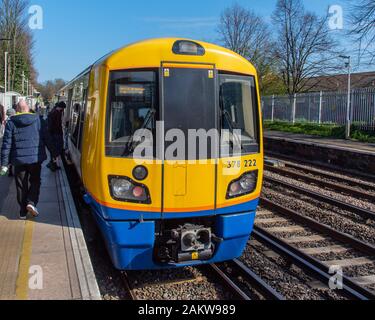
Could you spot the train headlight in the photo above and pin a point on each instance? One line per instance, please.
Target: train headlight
(124, 189)
(188, 48)
(120, 187)
(246, 184)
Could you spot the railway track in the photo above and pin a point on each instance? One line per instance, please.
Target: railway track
(329, 175)
(324, 166)
(286, 240)
(342, 184)
(128, 288)
(364, 213)
(223, 277)
(248, 276)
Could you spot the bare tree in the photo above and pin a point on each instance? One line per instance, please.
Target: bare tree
(363, 26)
(49, 88)
(14, 25)
(305, 48)
(247, 34)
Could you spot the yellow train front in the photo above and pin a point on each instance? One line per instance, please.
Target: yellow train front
(166, 135)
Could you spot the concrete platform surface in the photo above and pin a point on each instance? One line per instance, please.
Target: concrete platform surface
(350, 145)
(44, 258)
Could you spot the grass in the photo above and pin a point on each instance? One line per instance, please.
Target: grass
(324, 130)
(362, 136)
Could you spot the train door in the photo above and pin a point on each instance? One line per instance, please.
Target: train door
(189, 111)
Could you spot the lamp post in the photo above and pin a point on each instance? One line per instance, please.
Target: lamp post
(348, 120)
(23, 82)
(5, 72)
(5, 80)
(6, 75)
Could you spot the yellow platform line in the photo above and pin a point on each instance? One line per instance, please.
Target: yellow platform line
(22, 284)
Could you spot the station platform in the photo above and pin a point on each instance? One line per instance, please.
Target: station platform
(45, 258)
(332, 143)
(348, 154)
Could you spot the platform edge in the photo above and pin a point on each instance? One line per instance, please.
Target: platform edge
(86, 275)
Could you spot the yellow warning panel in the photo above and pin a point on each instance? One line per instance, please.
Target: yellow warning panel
(195, 256)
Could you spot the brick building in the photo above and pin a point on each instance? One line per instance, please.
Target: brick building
(340, 82)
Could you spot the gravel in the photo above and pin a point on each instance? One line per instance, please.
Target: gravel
(359, 271)
(176, 284)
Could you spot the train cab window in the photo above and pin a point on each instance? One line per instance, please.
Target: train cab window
(238, 103)
(133, 104)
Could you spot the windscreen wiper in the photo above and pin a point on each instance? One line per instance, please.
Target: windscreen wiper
(130, 146)
(232, 128)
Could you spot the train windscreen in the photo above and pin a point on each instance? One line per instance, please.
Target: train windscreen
(133, 104)
(238, 104)
(189, 105)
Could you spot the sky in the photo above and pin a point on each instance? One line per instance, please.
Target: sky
(76, 33)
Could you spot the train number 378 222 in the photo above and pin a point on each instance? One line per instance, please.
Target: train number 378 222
(246, 163)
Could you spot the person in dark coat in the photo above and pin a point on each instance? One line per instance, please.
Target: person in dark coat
(55, 129)
(9, 114)
(24, 142)
(2, 120)
(2, 114)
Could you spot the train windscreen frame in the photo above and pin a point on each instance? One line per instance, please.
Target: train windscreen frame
(133, 104)
(239, 112)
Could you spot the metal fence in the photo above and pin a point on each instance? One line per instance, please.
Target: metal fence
(323, 108)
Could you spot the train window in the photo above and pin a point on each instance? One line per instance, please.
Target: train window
(189, 104)
(133, 104)
(75, 121)
(81, 119)
(69, 105)
(238, 103)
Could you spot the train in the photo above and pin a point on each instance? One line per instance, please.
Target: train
(130, 116)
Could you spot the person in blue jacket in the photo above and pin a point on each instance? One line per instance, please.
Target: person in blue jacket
(24, 147)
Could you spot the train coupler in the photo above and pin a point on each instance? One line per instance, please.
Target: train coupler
(186, 243)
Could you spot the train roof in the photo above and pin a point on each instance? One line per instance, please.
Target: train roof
(151, 52)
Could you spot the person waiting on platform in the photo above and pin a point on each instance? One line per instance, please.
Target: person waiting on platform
(24, 142)
(10, 113)
(55, 130)
(2, 119)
